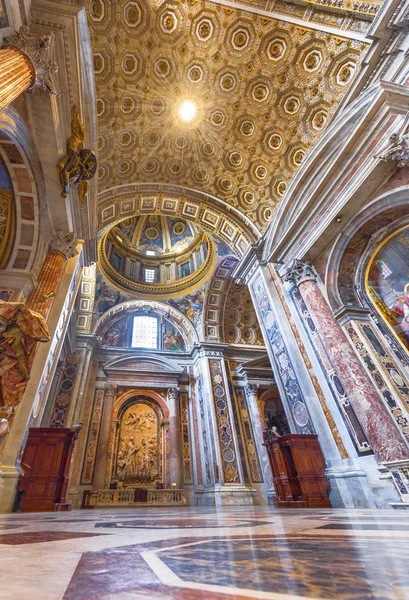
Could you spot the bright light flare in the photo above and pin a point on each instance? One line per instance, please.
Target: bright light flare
(187, 111)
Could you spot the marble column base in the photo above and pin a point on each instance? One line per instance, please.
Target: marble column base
(8, 481)
(360, 484)
(227, 495)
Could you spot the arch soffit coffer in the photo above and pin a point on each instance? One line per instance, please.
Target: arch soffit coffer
(178, 319)
(352, 250)
(209, 212)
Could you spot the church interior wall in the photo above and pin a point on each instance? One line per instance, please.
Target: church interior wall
(242, 347)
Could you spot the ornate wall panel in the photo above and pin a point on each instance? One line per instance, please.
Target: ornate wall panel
(185, 437)
(87, 475)
(291, 387)
(65, 390)
(392, 388)
(223, 423)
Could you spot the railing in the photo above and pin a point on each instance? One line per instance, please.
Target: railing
(126, 497)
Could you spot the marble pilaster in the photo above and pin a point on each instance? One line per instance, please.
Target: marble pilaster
(383, 436)
(174, 436)
(258, 425)
(104, 436)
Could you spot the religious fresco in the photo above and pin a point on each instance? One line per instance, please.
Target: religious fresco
(138, 445)
(388, 283)
(7, 211)
(190, 305)
(106, 296)
(172, 339)
(117, 334)
(4, 20)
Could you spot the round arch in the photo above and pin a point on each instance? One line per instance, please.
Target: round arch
(172, 314)
(345, 271)
(124, 398)
(20, 157)
(209, 212)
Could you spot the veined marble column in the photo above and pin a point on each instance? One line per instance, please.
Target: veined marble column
(104, 435)
(25, 65)
(387, 443)
(174, 436)
(258, 425)
(62, 247)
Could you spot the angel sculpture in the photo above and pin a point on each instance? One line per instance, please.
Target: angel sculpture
(20, 329)
(79, 165)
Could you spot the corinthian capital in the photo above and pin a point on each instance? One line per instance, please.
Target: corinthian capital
(300, 271)
(252, 388)
(65, 243)
(398, 150)
(37, 48)
(110, 389)
(173, 393)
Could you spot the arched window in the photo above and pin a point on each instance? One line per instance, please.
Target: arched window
(145, 332)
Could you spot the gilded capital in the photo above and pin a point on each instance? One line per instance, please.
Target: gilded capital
(37, 48)
(66, 243)
(300, 271)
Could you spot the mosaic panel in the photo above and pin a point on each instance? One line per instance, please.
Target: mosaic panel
(224, 427)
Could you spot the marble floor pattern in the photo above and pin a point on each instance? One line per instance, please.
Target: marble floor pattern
(213, 553)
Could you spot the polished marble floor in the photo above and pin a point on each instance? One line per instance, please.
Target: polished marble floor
(198, 553)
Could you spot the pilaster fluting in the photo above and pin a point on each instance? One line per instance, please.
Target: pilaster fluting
(386, 441)
(104, 435)
(174, 436)
(25, 65)
(258, 425)
(62, 247)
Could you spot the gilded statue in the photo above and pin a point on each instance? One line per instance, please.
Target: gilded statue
(79, 165)
(20, 329)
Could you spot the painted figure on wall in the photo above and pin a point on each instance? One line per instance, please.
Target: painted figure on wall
(191, 305)
(105, 296)
(172, 339)
(20, 329)
(117, 334)
(388, 283)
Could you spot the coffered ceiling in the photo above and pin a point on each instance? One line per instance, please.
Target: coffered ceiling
(265, 88)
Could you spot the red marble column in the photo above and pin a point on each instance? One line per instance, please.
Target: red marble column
(385, 439)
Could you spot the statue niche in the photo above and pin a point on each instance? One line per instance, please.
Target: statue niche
(138, 453)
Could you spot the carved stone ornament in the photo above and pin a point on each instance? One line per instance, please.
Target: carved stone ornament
(300, 271)
(173, 394)
(110, 390)
(398, 150)
(79, 165)
(66, 243)
(252, 388)
(38, 50)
